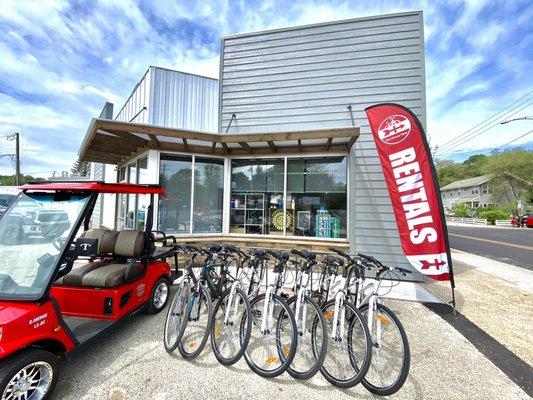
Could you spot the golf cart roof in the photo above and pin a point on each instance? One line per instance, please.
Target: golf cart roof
(99, 187)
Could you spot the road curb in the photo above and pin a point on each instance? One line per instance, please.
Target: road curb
(518, 276)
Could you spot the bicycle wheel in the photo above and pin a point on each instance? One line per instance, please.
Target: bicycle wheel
(228, 340)
(391, 356)
(270, 353)
(198, 324)
(348, 357)
(177, 316)
(312, 339)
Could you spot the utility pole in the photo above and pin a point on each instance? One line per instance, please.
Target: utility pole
(17, 158)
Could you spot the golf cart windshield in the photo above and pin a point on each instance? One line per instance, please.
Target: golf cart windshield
(33, 234)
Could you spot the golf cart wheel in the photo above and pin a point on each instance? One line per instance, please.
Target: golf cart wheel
(159, 296)
(30, 374)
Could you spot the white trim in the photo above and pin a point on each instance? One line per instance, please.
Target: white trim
(285, 173)
(193, 176)
(226, 210)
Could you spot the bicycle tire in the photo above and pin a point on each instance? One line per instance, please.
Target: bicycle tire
(244, 335)
(356, 318)
(183, 290)
(204, 294)
(318, 355)
(290, 352)
(406, 361)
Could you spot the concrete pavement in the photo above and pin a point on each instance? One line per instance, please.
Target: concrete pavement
(131, 363)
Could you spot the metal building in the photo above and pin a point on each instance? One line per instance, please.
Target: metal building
(306, 78)
(293, 158)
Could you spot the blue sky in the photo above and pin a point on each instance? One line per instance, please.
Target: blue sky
(61, 60)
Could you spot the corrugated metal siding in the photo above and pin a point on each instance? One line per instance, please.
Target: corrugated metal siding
(305, 77)
(182, 100)
(136, 108)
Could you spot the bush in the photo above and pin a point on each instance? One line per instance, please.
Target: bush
(492, 215)
(462, 210)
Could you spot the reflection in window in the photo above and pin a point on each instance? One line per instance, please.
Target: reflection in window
(316, 197)
(208, 195)
(175, 208)
(257, 196)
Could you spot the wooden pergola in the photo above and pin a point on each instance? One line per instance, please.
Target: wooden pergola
(112, 142)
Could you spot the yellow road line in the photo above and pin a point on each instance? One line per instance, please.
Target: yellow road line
(518, 246)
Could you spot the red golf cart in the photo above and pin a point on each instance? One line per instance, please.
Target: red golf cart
(56, 292)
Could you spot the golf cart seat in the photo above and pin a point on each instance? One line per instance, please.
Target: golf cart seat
(107, 240)
(129, 245)
(113, 267)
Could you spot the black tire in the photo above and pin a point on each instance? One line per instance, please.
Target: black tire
(177, 316)
(45, 364)
(285, 354)
(156, 302)
(204, 304)
(356, 326)
(243, 334)
(397, 384)
(318, 344)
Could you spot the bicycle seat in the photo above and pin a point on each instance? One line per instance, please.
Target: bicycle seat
(215, 248)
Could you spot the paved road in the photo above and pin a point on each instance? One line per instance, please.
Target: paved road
(510, 245)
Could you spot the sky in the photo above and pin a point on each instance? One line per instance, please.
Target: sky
(60, 61)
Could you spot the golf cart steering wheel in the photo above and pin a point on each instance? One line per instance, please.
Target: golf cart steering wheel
(59, 243)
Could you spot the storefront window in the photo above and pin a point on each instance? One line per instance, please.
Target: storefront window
(257, 196)
(208, 195)
(316, 197)
(175, 208)
(176, 174)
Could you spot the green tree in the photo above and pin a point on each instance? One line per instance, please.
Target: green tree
(80, 168)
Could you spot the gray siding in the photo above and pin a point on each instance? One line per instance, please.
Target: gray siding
(305, 77)
(135, 109)
(185, 101)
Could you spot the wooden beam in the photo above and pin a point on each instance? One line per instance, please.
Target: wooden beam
(272, 146)
(115, 143)
(155, 140)
(328, 144)
(213, 147)
(225, 147)
(106, 124)
(340, 148)
(352, 141)
(192, 149)
(129, 137)
(246, 146)
(283, 136)
(185, 143)
(299, 144)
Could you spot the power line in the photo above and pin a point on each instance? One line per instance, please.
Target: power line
(514, 140)
(488, 121)
(476, 133)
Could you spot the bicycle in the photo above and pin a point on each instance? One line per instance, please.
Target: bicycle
(312, 329)
(387, 372)
(233, 311)
(273, 341)
(349, 343)
(190, 314)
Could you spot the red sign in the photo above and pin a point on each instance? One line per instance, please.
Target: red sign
(413, 188)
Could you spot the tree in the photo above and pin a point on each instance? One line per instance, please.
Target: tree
(80, 168)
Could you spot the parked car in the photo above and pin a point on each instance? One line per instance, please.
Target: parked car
(527, 220)
(5, 202)
(31, 218)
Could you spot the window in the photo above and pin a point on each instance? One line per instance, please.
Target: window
(176, 208)
(208, 195)
(316, 197)
(257, 196)
(314, 203)
(175, 175)
(131, 208)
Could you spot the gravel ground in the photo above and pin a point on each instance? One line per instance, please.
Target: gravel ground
(131, 363)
